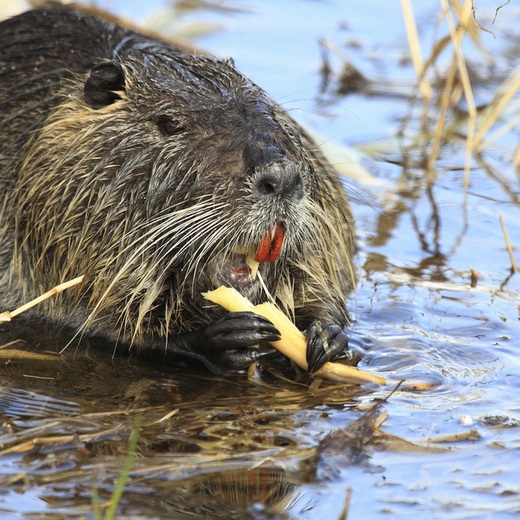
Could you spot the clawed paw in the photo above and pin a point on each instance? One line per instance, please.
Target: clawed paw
(327, 343)
(227, 339)
(240, 330)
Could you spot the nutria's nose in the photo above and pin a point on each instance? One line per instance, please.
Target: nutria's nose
(280, 179)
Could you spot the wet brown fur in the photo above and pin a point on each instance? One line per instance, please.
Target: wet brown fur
(150, 220)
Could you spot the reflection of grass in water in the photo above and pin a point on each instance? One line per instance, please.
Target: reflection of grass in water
(460, 20)
(117, 493)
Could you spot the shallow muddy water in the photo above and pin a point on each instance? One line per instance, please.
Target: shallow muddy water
(213, 447)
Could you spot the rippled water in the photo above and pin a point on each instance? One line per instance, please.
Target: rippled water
(239, 449)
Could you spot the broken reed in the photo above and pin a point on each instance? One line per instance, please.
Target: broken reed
(8, 315)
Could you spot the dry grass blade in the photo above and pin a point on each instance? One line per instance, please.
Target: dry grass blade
(516, 157)
(514, 267)
(498, 9)
(471, 435)
(441, 122)
(14, 354)
(496, 107)
(59, 441)
(457, 34)
(457, 71)
(459, 18)
(415, 48)
(346, 507)
(8, 315)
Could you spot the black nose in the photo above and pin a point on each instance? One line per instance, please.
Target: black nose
(280, 179)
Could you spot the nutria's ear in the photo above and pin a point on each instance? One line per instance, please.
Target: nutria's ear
(105, 79)
(229, 61)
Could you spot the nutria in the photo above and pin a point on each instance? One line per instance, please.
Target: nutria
(155, 171)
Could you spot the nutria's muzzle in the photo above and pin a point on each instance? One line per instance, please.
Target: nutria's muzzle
(280, 180)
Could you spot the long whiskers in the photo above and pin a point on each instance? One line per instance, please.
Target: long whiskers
(168, 241)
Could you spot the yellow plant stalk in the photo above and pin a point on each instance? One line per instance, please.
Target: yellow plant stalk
(293, 343)
(7, 316)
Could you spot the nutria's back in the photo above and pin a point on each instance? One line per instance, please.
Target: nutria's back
(37, 52)
(155, 172)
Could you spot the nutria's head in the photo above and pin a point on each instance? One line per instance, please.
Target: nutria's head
(156, 175)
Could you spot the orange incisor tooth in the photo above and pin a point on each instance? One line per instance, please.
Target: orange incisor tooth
(271, 245)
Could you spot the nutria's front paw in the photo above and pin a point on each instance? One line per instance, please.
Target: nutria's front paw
(327, 343)
(239, 330)
(224, 345)
(226, 340)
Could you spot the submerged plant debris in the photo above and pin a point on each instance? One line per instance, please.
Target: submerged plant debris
(212, 451)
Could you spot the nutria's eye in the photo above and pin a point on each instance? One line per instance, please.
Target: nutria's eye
(169, 126)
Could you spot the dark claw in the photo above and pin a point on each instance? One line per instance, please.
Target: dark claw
(239, 330)
(240, 359)
(327, 343)
(223, 345)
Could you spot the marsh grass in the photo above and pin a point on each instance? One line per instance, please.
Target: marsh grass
(119, 487)
(457, 24)
(440, 94)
